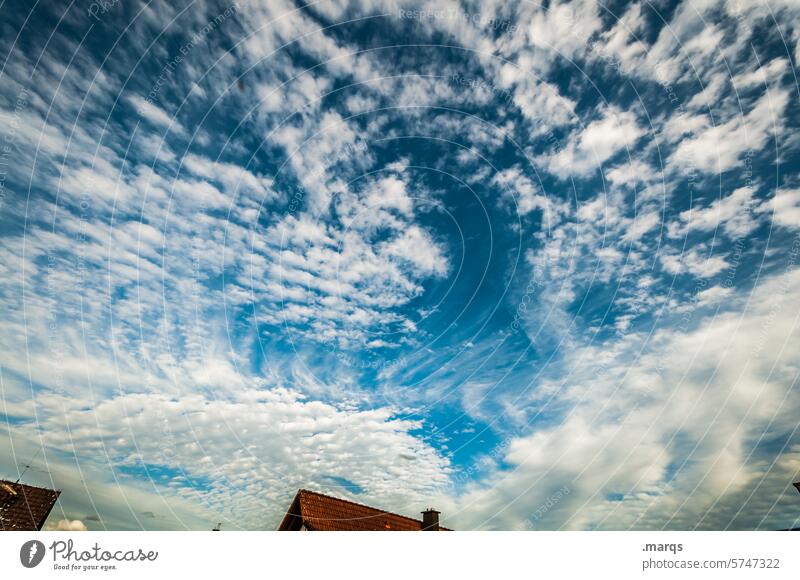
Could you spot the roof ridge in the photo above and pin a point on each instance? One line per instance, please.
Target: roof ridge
(303, 490)
(19, 483)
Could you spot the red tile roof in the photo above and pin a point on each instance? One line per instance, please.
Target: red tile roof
(25, 507)
(318, 512)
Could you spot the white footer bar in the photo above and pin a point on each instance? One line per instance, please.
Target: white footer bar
(400, 555)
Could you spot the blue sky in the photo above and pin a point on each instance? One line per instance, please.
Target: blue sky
(471, 255)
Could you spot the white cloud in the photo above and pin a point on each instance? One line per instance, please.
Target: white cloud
(339, 280)
(642, 224)
(316, 149)
(711, 94)
(244, 188)
(764, 75)
(634, 174)
(796, 38)
(303, 93)
(415, 247)
(785, 206)
(678, 418)
(540, 102)
(525, 197)
(713, 295)
(65, 526)
(689, 44)
(156, 114)
(243, 458)
(587, 149)
(734, 213)
(390, 194)
(620, 46)
(564, 27)
(696, 262)
(719, 147)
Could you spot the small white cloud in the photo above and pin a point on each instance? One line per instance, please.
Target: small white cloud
(716, 147)
(418, 249)
(155, 114)
(390, 193)
(734, 213)
(564, 27)
(66, 526)
(520, 191)
(587, 149)
(763, 75)
(785, 207)
(694, 262)
(635, 173)
(641, 225)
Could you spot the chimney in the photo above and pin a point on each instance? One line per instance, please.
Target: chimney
(430, 520)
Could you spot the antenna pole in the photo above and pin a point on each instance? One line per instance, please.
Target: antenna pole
(28, 466)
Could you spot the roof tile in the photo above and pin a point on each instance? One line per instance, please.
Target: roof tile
(25, 507)
(321, 512)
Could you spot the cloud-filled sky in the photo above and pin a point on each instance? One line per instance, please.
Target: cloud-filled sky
(535, 264)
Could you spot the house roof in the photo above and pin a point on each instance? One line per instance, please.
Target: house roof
(25, 507)
(319, 512)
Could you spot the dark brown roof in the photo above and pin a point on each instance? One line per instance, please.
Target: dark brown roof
(320, 512)
(24, 507)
